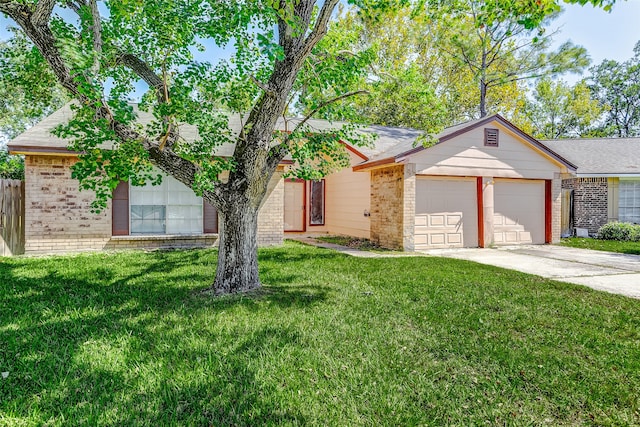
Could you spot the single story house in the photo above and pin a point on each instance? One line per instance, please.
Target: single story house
(483, 183)
(606, 186)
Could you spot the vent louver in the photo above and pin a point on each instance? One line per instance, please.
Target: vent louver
(491, 137)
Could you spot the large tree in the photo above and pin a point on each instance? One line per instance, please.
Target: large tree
(98, 51)
(617, 86)
(502, 42)
(558, 110)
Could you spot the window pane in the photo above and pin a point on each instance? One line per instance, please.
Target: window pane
(317, 203)
(169, 208)
(629, 201)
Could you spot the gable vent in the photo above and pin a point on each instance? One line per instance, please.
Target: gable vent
(490, 137)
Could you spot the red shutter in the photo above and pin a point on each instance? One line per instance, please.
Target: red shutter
(209, 218)
(120, 210)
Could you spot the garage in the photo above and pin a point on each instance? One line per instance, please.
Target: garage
(519, 211)
(446, 213)
(482, 183)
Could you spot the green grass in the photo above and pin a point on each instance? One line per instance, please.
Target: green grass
(126, 339)
(603, 245)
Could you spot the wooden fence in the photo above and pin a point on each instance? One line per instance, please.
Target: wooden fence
(11, 217)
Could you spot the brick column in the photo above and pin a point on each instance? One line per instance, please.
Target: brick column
(409, 210)
(556, 207)
(387, 206)
(271, 214)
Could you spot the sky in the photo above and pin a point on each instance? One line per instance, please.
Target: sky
(605, 35)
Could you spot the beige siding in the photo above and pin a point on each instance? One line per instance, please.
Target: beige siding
(466, 155)
(613, 197)
(347, 198)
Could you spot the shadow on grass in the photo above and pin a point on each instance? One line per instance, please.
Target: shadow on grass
(74, 333)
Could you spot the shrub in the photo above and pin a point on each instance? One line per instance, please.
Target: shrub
(622, 231)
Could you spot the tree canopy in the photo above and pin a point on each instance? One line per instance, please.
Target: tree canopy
(558, 110)
(617, 86)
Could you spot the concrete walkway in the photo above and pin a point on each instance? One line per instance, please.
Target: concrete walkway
(605, 271)
(307, 240)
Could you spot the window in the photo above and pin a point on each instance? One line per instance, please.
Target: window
(316, 214)
(168, 208)
(629, 204)
(490, 137)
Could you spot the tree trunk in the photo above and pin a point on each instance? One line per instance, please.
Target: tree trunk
(238, 250)
(483, 99)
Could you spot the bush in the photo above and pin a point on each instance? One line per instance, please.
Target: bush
(621, 231)
(11, 167)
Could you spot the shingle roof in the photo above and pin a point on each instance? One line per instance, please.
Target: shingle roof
(408, 147)
(600, 156)
(39, 136)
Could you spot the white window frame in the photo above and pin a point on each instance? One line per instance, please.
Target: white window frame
(165, 199)
(629, 200)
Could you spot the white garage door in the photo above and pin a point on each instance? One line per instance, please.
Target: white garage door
(446, 213)
(518, 212)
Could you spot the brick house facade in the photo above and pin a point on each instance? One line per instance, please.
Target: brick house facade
(606, 186)
(58, 215)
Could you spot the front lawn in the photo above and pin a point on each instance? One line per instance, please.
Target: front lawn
(126, 339)
(603, 245)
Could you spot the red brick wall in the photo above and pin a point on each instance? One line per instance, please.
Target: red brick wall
(590, 205)
(387, 206)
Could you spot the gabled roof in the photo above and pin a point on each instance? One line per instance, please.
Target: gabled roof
(600, 156)
(38, 139)
(401, 151)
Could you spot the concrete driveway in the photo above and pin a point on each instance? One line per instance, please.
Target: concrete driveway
(605, 271)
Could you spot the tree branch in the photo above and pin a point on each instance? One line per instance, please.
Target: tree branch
(320, 28)
(261, 85)
(42, 12)
(96, 28)
(324, 104)
(143, 71)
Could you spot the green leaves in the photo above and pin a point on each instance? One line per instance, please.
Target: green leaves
(317, 153)
(28, 89)
(617, 86)
(11, 167)
(560, 111)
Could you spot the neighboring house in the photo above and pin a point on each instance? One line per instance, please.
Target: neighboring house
(484, 182)
(606, 187)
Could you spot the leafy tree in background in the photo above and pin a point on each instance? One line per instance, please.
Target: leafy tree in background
(28, 89)
(617, 86)
(414, 78)
(397, 92)
(499, 43)
(11, 167)
(276, 51)
(558, 110)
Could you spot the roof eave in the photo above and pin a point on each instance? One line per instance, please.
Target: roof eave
(389, 161)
